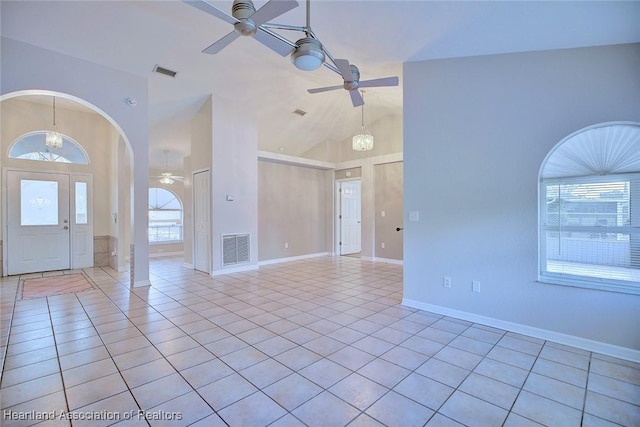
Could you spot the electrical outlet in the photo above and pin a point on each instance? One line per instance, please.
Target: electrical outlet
(382, 245)
(286, 246)
(446, 282)
(475, 286)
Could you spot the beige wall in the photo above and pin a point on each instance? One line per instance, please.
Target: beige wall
(348, 173)
(387, 133)
(187, 213)
(202, 136)
(200, 158)
(292, 209)
(388, 199)
(90, 130)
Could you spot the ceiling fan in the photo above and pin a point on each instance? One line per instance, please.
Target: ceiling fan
(351, 76)
(167, 177)
(307, 53)
(247, 21)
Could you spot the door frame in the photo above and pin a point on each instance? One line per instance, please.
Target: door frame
(209, 246)
(74, 262)
(337, 236)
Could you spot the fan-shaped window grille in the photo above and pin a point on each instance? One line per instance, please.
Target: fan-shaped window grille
(165, 216)
(32, 147)
(590, 209)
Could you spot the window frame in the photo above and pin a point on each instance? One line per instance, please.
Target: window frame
(583, 281)
(606, 155)
(27, 143)
(181, 224)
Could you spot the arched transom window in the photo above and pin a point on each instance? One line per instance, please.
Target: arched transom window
(590, 209)
(32, 146)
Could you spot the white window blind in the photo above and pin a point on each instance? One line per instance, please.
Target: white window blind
(590, 231)
(590, 209)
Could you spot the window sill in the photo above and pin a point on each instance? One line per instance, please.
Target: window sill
(631, 288)
(169, 242)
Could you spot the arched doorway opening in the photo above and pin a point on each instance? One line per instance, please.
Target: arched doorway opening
(100, 229)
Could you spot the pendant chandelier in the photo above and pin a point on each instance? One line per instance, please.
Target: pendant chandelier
(364, 140)
(53, 138)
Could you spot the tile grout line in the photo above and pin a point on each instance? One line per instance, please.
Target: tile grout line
(164, 357)
(9, 329)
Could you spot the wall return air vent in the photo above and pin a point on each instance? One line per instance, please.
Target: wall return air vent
(235, 249)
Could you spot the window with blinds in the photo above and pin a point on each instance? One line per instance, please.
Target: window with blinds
(590, 224)
(165, 216)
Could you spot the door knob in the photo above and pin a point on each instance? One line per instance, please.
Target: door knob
(65, 228)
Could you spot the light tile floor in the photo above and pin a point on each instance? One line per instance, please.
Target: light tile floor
(319, 342)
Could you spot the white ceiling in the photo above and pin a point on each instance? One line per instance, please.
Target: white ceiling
(377, 36)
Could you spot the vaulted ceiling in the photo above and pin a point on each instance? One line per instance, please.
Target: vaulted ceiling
(377, 36)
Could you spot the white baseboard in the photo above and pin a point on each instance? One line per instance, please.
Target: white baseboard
(188, 265)
(141, 283)
(231, 270)
(293, 258)
(389, 260)
(161, 254)
(378, 259)
(545, 334)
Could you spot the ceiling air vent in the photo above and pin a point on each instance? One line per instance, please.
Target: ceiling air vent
(299, 112)
(165, 71)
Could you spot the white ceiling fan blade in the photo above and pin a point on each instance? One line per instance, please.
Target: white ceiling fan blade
(273, 43)
(385, 81)
(324, 89)
(272, 9)
(356, 98)
(222, 43)
(207, 7)
(345, 69)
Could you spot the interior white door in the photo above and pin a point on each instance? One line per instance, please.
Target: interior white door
(38, 222)
(201, 219)
(350, 221)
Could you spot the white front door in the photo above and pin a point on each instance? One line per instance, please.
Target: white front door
(201, 219)
(38, 222)
(350, 217)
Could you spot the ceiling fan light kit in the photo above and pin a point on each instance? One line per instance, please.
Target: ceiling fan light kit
(166, 179)
(308, 55)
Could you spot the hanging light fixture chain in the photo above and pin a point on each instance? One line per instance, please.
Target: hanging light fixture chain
(54, 111)
(362, 93)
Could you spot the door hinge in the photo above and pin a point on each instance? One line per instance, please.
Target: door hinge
(340, 243)
(339, 216)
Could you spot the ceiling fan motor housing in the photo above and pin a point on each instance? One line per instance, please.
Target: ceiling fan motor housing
(242, 11)
(355, 83)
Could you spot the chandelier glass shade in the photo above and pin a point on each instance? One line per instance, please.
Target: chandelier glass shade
(364, 140)
(53, 138)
